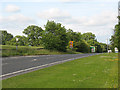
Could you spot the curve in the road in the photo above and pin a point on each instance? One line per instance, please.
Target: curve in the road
(13, 66)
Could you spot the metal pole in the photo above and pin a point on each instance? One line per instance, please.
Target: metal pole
(119, 25)
(16, 43)
(118, 46)
(118, 10)
(107, 45)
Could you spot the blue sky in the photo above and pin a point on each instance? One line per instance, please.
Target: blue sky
(96, 16)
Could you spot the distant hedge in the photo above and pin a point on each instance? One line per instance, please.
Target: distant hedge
(82, 46)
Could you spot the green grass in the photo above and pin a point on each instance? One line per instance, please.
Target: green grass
(100, 71)
(29, 50)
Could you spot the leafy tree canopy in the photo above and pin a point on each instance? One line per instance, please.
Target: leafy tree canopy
(74, 36)
(82, 46)
(22, 41)
(115, 39)
(55, 36)
(5, 37)
(34, 34)
(88, 36)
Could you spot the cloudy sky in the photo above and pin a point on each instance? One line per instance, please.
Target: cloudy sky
(96, 16)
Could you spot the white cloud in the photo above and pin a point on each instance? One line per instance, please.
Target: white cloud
(88, 0)
(16, 23)
(53, 13)
(22, 1)
(102, 32)
(101, 24)
(59, 1)
(17, 18)
(101, 19)
(105, 18)
(29, 1)
(12, 8)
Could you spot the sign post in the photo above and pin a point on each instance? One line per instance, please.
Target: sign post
(71, 44)
(92, 48)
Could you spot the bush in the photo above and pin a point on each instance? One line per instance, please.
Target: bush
(82, 46)
(55, 37)
(99, 49)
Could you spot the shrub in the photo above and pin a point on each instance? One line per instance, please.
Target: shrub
(55, 37)
(82, 46)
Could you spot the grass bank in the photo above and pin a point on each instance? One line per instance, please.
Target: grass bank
(29, 50)
(100, 71)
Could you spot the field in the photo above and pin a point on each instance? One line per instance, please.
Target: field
(29, 50)
(99, 71)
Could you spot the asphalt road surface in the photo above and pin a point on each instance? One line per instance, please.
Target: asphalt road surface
(12, 66)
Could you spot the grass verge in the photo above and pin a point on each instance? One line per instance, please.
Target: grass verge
(30, 50)
(100, 71)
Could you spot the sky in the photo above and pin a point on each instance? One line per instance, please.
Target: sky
(96, 16)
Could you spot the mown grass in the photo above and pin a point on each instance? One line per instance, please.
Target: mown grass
(100, 71)
(29, 50)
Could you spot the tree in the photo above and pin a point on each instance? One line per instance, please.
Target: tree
(118, 34)
(113, 43)
(88, 36)
(92, 42)
(55, 37)
(34, 34)
(74, 36)
(12, 42)
(6, 37)
(104, 47)
(82, 46)
(90, 39)
(115, 39)
(22, 41)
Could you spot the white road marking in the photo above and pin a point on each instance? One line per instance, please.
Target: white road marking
(31, 56)
(4, 64)
(23, 70)
(41, 66)
(34, 60)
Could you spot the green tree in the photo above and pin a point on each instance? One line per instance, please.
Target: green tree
(88, 36)
(74, 36)
(82, 46)
(104, 47)
(115, 39)
(12, 42)
(5, 37)
(92, 42)
(90, 39)
(99, 48)
(22, 41)
(34, 34)
(0, 37)
(55, 37)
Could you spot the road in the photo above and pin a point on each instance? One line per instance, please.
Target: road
(12, 66)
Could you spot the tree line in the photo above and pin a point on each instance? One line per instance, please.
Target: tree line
(115, 39)
(54, 37)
